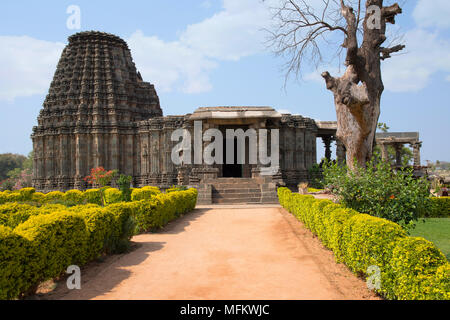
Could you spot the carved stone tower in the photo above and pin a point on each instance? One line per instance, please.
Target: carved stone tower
(91, 113)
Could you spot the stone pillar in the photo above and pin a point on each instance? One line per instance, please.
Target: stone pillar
(384, 151)
(340, 152)
(115, 152)
(416, 153)
(98, 144)
(128, 169)
(79, 161)
(327, 141)
(300, 148)
(398, 155)
(65, 154)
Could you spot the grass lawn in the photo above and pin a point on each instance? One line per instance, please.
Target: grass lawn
(436, 230)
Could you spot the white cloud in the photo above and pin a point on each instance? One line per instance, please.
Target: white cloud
(170, 65)
(26, 66)
(425, 54)
(432, 13)
(185, 64)
(231, 34)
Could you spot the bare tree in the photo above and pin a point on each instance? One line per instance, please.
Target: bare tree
(300, 33)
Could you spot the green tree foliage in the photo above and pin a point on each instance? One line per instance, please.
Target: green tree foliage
(124, 183)
(9, 162)
(379, 191)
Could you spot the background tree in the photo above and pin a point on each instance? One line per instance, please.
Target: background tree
(305, 28)
(8, 162)
(20, 172)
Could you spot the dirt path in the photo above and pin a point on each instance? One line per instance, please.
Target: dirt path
(222, 253)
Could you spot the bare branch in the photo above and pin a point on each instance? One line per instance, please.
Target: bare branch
(390, 12)
(300, 31)
(386, 52)
(351, 42)
(330, 81)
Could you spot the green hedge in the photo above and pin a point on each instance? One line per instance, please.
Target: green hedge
(76, 197)
(411, 268)
(440, 208)
(46, 240)
(144, 193)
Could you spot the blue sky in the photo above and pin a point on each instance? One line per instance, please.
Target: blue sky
(211, 53)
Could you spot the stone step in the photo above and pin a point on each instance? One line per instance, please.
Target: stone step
(225, 186)
(236, 195)
(233, 180)
(237, 190)
(237, 201)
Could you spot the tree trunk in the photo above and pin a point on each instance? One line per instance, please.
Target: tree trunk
(357, 117)
(357, 93)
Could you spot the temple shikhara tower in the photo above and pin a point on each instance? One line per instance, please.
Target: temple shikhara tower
(99, 112)
(91, 113)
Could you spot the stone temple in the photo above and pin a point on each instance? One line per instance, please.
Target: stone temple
(100, 112)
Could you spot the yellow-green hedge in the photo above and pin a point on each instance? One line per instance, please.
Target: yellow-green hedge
(153, 213)
(113, 195)
(411, 268)
(12, 214)
(144, 193)
(54, 236)
(70, 198)
(440, 208)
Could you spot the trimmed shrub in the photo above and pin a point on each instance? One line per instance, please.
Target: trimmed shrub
(54, 197)
(113, 195)
(411, 268)
(337, 220)
(144, 193)
(370, 241)
(176, 188)
(58, 240)
(26, 194)
(73, 197)
(440, 208)
(440, 284)
(323, 217)
(38, 197)
(415, 262)
(100, 225)
(14, 267)
(93, 196)
(12, 214)
(50, 208)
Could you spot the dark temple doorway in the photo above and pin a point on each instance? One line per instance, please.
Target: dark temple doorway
(231, 170)
(234, 170)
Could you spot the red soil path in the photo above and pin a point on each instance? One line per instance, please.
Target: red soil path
(221, 253)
